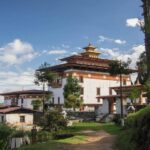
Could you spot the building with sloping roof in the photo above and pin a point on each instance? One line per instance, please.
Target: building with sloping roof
(16, 116)
(93, 74)
(23, 98)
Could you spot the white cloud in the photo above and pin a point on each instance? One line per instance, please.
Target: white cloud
(133, 22)
(57, 52)
(134, 55)
(107, 39)
(11, 81)
(16, 52)
(118, 41)
(65, 46)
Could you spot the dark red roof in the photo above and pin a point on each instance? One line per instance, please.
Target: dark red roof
(6, 110)
(128, 87)
(112, 96)
(24, 92)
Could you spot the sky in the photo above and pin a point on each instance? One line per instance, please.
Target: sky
(36, 31)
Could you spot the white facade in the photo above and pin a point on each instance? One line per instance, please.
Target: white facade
(14, 118)
(90, 84)
(25, 103)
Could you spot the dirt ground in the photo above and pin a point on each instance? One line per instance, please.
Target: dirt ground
(96, 141)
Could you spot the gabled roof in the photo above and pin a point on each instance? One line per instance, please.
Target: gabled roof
(110, 97)
(16, 109)
(127, 87)
(24, 92)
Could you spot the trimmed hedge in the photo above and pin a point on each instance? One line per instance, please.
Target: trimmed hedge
(137, 133)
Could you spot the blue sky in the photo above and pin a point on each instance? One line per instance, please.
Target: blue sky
(34, 31)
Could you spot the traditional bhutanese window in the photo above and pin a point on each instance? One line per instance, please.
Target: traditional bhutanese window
(81, 79)
(124, 82)
(22, 100)
(22, 118)
(53, 100)
(58, 100)
(2, 119)
(98, 100)
(82, 91)
(98, 91)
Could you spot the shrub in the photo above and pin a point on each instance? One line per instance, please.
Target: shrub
(116, 119)
(62, 134)
(137, 131)
(5, 134)
(53, 120)
(43, 136)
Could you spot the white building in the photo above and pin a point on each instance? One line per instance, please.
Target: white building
(112, 102)
(93, 74)
(16, 116)
(22, 98)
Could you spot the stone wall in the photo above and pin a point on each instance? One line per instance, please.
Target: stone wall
(85, 116)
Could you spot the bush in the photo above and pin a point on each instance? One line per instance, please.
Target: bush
(53, 120)
(43, 136)
(19, 133)
(116, 119)
(138, 129)
(62, 135)
(5, 134)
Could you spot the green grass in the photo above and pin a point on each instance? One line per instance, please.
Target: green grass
(50, 145)
(73, 140)
(77, 139)
(77, 127)
(111, 128)
(94, 126)
(55, 144)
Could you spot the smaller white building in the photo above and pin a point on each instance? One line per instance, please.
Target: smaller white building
(16, 116)
(23, 98)
(112, 103)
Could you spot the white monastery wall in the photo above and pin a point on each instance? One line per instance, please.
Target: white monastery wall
(58, 92)
(90, 88)
(105, 107)
(15, 118)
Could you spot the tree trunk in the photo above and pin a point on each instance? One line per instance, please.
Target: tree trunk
(43, 98)
(146, 13)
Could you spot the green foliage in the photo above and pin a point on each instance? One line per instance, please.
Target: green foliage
(44, 75)
(134, 93)
(147, 87)
(19, 133)
(43, 136)
(5, 134)
(36, 104)
(72, 93)
(116, 67)
(61, 134)
(53, 120)
(138, 125)
(142, 68)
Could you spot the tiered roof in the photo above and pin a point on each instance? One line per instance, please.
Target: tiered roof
(87, 60)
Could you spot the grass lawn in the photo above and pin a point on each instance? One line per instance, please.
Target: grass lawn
(55, 144)
(82, 126)
(77, 139)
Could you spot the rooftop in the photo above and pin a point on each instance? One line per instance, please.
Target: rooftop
(24, 92)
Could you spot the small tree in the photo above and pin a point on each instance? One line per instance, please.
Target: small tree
(147, 89)
(142, 68)
(36, 104)
(53, 120)
(134, 94)
(120, 68)
(72, 93)
(5, 136)
(43, 76)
